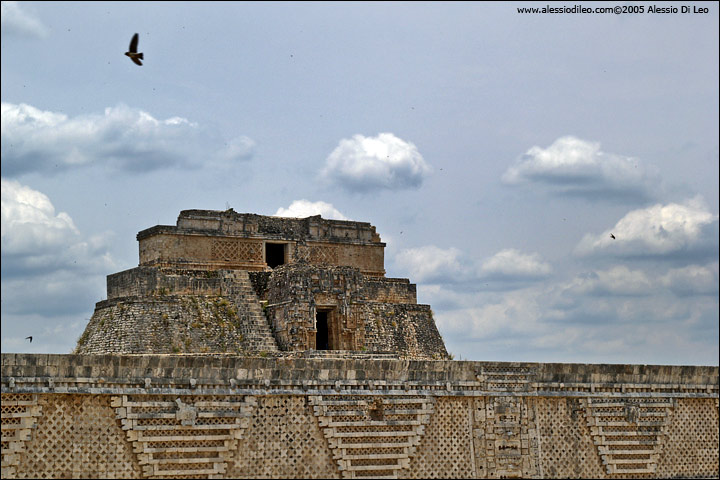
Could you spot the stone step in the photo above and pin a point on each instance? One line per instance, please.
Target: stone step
(225, 448)
(181, 438)
(238, 289)
(370, 456)
(406, 433)
(185, 460)
(370, 445)
(374, 467)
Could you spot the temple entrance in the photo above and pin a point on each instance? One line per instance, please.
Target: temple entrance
(274, 254)
(322, 337)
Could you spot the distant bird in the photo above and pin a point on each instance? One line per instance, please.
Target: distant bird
(612, 236)
(133, 53)
(29, 338)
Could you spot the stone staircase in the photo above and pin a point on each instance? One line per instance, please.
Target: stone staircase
(255, 329)
(194, 438)
(372, 436)
(629, 432)
(20, 414)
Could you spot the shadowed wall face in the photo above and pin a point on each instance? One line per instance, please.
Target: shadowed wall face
(147, 416)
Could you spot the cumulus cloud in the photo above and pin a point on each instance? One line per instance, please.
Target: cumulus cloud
(513, 264)
(506, 269)
(51, 274)
(672, 230)
(365, 164)
(617, 315)
(122, 137)
(306, 208)
(29, 221)
(14, 20)
(431, 264)
(240, 148)
(616, 281)
(692, 280)
(575, 167)
(36, 239)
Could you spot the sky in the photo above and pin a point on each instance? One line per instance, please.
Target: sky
(495, 151)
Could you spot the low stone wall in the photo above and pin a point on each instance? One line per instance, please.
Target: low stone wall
(391, 290)
(218, 416)
(146, 281)
(175, 324)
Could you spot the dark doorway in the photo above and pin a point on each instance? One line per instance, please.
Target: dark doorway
(274, 254)
(321, 337)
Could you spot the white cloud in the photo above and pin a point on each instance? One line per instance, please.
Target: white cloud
(431, 264)
(36, 239)
(512, 313)
(374, 163)
(15, 20)
(615, 316)
(571, 166)
(306, 208)
(660, 230)
(51, 275)
(617, 281)
(29, 221)
(123, 137)
(511, 263)
(692, 280)
(507, 269)
(240, 148)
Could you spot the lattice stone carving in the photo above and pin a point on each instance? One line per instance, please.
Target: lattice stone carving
(506, 439)
(372, 436)
(324, 254)
(20, 413)
(628, 432)
(690, 449)
(236, 250)
(283, 441)
(507, 379)
(184, 437)
(446, 448)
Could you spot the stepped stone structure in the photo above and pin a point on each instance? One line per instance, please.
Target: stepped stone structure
(245, 346)
(241, 283)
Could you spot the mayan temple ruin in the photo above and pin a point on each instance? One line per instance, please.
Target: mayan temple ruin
(250, 346)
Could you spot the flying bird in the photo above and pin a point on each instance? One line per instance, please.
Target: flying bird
(133, 53)
(612, 236)
(29, 338)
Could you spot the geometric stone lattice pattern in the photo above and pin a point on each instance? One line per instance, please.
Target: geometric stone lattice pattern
(506, 440)
(507, 379)
(77, 436)
(372, 436)
(566, 446)
(188, 437)
(283, 441)
(446, 449)
(691, 447)
(324, 255)
(236, 250)
(629, 432)
(19, 416)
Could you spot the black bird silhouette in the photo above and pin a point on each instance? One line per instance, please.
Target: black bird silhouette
(612, 236)
(29, 338)
(132, 51)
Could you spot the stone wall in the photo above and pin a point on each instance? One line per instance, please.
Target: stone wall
(190, 416)
(154, 309)
(149, 281)
(362, 314)
(206, 239)
(149, 310)
(391, 290)
(171, 324)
